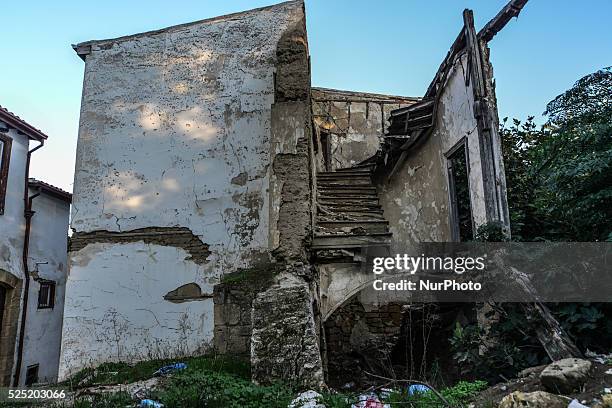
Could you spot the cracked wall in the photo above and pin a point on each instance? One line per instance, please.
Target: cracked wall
(177, 133)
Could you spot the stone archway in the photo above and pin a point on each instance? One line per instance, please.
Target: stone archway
(11, 286)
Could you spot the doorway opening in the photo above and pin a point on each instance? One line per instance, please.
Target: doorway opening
(326, 150)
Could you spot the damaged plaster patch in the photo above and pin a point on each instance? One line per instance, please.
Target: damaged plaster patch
(179, 237)
(241, 179)
(186, 293)
(292, 68)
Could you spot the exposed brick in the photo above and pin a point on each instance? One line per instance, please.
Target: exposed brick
(179, 237)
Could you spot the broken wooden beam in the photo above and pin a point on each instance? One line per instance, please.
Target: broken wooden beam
(510, 10)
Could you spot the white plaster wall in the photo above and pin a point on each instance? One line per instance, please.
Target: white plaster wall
(174, 131)
(48, 243)
(122, 316)
(12, 222)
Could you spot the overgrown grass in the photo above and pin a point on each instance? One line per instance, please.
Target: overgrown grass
(119, 399)
(223, 382)
(123, 373)
(191, 389)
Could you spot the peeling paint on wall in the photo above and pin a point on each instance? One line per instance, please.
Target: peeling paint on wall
(180, 237)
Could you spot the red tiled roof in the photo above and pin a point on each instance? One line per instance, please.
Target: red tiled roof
(21, 125)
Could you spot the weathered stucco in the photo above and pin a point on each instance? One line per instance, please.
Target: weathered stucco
(178, 131)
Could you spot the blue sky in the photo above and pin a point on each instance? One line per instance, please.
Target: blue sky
(386, 46)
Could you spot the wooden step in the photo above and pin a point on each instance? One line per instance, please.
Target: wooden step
(373, 199)
(358, 168)
(351, 240)
(351, 188)
(327, 193)
(349, 206)
(338, 209)
(343, 174)
(351, 227)
(353, 181)
(350, 216)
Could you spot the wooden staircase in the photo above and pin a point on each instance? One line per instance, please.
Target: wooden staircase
(349, 215)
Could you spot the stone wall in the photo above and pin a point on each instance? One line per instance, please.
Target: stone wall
(232, 320)
(285, 342)
(353, 332)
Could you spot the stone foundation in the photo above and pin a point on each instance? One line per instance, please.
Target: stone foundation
(285, 344)
(232, 320)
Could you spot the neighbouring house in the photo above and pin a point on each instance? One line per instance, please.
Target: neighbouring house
(33, 260)
(221, 201)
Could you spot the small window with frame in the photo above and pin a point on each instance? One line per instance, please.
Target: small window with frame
(5, 157)
(46, 295)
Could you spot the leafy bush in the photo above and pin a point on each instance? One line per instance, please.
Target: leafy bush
(587, 323)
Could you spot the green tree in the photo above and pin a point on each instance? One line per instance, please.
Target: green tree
(560, 176)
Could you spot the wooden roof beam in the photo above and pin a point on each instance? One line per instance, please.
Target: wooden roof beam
(510, 10)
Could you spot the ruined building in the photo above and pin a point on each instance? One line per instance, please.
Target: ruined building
(33, 260)
(221, 201)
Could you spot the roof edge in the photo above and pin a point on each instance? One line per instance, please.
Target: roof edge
(21, 125)
(50, 190)
(343, 94)
(84, 48)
